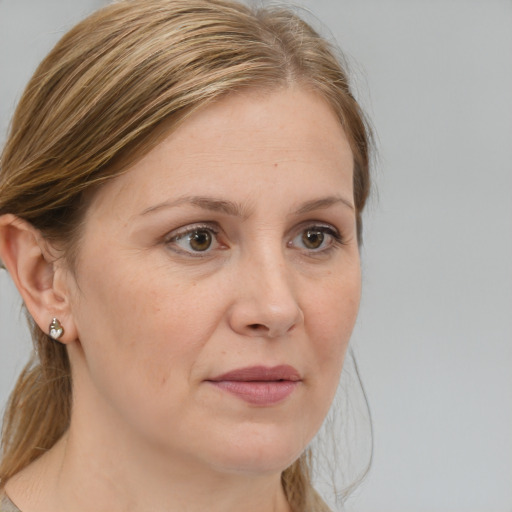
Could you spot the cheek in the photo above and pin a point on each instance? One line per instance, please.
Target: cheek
(140, 341)
(331, 316)
(330, 320)
(153, 322)
(145, 323)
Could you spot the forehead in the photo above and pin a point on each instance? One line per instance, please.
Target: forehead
(244, 144)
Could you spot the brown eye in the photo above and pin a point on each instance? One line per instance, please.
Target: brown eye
(317, 239)
(313, 238)
(194, 241)
(200, 240)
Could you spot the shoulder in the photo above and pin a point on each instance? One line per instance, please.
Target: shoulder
(6, 505)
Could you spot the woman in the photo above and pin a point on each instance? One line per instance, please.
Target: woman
(180, 200)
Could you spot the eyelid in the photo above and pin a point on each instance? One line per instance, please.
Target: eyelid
(337, 237)
(178, 233)
(188, 228)
(321, 225)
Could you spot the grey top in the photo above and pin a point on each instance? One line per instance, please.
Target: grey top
(6, 505)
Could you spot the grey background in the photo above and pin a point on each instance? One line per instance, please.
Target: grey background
(434, 335)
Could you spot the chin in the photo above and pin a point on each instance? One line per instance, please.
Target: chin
(256, 463)
(259, 451)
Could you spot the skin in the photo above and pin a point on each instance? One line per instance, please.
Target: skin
(149, 319)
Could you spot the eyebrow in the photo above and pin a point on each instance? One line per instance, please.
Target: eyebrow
(320, 204)
(238, 210)
(206, 203)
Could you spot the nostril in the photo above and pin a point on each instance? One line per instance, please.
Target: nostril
(257, 327)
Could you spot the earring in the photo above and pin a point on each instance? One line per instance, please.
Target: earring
(56, 329)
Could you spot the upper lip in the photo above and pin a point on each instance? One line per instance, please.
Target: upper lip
(260, 374)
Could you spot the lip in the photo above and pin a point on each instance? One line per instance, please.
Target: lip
(259, 385)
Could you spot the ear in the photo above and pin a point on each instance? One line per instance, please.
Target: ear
(41, 278)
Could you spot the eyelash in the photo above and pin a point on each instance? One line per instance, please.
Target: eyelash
(337, 239)
(189, 230)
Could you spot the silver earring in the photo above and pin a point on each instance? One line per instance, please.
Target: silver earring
(56, 329)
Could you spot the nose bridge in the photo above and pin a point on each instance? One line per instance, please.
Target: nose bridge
(272, 277)
(267, 304)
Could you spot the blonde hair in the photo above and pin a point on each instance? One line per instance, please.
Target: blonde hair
(107, 93)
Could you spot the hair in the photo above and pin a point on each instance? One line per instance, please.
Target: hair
(107, 93)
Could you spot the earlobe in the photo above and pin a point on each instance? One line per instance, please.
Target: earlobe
(26, 256)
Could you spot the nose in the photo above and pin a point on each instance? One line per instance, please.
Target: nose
(266, 304)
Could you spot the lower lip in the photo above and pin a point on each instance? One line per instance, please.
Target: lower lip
(258, 392)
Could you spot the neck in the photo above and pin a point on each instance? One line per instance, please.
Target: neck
(82, 473)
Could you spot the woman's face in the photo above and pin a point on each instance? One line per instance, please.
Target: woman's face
(217, 285)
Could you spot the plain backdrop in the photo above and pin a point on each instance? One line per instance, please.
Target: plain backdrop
(434, 335)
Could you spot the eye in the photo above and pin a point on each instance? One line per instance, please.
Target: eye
(195, 240)
(317, 238)
(313, 238)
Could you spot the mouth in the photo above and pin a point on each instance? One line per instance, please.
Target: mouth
(259, 385)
